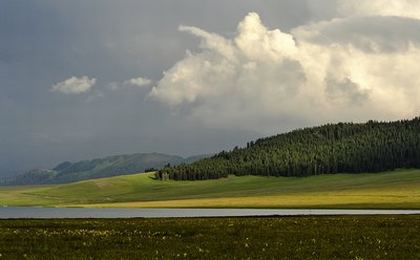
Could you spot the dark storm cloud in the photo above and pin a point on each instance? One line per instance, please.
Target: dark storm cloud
(46, 42)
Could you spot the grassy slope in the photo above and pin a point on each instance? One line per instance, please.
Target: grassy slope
(386, 190)
(110, 166)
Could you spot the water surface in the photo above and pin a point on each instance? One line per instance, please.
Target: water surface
(32, 212)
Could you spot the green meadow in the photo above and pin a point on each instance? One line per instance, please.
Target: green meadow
(348, 237)
(398, 190)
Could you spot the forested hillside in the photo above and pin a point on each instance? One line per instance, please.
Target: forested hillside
(98, 168)
(334, 148)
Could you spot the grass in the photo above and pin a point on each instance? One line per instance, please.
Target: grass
(349, 237)
(399, 189)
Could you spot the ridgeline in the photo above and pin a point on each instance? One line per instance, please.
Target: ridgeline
(67, 172)
(333, 148)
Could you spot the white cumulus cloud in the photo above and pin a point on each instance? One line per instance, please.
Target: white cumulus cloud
(74, 85)
(138, 82)
(357, 66)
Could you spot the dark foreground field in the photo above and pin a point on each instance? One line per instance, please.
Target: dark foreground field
(350, 237)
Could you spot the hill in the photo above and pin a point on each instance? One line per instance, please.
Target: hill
(329, 149)
(399, 189)
(98, 168)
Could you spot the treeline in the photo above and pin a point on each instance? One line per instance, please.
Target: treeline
(334, 148)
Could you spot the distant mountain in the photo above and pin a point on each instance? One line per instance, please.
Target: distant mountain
(334, 148)
(66, 172)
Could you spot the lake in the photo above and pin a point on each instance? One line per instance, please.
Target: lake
(36, 212)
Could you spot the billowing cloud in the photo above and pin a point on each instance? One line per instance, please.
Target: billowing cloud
(356, 67)
(325, 10)
(378, 34)
(402, 8)
(74, 85)
(138, 82)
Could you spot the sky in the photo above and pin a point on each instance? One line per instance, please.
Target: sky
(84, 79)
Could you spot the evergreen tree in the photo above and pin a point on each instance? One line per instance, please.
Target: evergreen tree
(333, 148)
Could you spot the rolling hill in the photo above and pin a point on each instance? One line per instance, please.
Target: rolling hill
(398, 189)
(329, 149)
(66, 172)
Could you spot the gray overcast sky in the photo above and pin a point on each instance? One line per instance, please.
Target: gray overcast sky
(65, 70)
(44, 42)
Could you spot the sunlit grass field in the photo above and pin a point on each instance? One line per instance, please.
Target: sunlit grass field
(398, 189)
(349, 237)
